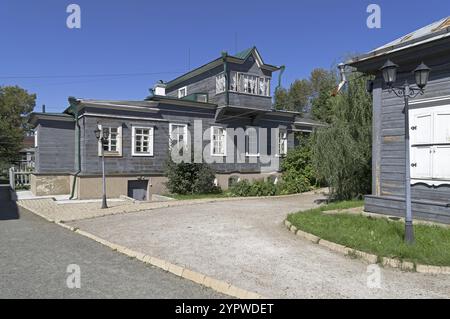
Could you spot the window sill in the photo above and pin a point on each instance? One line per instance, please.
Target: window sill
(252, 155)
(111, 155)
(142, 155)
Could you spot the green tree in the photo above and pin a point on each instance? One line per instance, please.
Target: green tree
(281, 99)
(15, 103)
(341, 152)
(323, 83)
(299, 95)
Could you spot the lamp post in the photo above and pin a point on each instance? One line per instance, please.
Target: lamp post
(103, 137)
(406, 91)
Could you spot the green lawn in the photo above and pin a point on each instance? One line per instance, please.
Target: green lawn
(379, 236)
(198, 196)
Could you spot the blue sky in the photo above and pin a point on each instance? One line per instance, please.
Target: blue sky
(39, 52)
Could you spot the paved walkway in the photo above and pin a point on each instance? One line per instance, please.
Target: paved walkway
(34, 256)
(245, 244)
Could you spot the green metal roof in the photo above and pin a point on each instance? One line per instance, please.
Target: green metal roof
(244, 54)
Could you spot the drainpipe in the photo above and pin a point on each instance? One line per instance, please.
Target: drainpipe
(225, 71)
(74, 108)
(280, 75)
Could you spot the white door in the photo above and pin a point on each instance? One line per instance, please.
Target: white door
(441, 162)
(421, 162)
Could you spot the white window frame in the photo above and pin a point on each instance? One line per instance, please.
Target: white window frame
(180, 90)
(224, 141)
(239, 76)
(285, 143)
(246, 136)
(150, 141)
(221, 77)
(118, 151)
(185, 134)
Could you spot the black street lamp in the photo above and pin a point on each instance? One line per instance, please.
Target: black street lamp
(406, 91)
(103, 138)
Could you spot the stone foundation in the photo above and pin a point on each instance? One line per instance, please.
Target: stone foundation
(43, 185)
(90, 187)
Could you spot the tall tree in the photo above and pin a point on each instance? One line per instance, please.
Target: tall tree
(299, 95)
(15, 103)
(281, 98)
(341, 152)
(323, 82)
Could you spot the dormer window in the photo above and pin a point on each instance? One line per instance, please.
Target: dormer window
(249, 84)
(182, 92)
(220, 83)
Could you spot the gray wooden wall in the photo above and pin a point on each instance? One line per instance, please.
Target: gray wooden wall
(56, 147)
(389, 149)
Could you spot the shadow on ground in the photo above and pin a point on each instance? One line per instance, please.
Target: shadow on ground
(8, 208)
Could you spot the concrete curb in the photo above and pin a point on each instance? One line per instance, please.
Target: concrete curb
(183, 272)
(370, 258)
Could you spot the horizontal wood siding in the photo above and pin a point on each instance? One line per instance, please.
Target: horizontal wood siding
(396, 207)
(128, 164)
(56, 147)
(391, 149)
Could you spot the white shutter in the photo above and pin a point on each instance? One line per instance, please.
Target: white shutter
(150, 142)
(441, 162)
(442, 125)
(421, 162)
(99, 143)
(119, 140)
(421, 128)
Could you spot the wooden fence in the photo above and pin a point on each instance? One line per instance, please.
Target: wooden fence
(17, 178)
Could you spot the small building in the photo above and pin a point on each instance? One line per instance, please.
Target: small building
(220, 113)
(429, 119)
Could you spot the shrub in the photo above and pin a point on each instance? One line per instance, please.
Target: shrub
(298, 172)
(241, 188)
(190, 178)
(245, 188)
(293, 183)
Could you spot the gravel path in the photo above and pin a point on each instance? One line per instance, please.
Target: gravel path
(34, 255)
(245, 243)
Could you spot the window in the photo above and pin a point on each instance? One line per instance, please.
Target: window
(220, 83)
(282, 142)
(178, 136)
(233, 81)
(202, 98)
(251, 142)
(218, 141)
(182, 92)
(142, 140)
(250, 84)
(113, 146)
(430, 143)
(264, 86)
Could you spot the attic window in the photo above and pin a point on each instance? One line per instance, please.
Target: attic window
(182, 92)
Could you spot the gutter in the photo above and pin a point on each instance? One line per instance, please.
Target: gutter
(74, 103)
